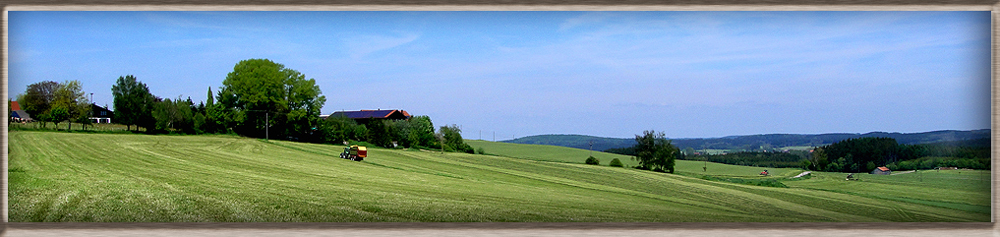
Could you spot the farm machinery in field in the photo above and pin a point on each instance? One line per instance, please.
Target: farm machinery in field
(355, 153)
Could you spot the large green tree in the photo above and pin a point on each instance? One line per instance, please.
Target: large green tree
(452, 138)
(37, 100)
(69, 97)
(416, 131)
(133, 103)
(260, 92)
(654, 151)
(422, 130)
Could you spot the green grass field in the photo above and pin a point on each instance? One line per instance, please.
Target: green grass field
(56, 176)
(572, 155)
(547, 152)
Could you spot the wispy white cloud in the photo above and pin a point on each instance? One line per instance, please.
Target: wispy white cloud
(586, 18)
(359, 46)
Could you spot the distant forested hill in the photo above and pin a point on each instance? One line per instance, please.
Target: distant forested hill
(575, 141)
(752, 142)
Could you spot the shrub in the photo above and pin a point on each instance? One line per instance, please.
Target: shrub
(593, 161)
(616, 163)
(480, 151)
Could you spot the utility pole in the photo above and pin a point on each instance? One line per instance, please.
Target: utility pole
(591, 142)
(267, 126)
(91, 111)
(705, 155)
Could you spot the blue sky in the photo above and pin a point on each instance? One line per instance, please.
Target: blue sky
(610, 74)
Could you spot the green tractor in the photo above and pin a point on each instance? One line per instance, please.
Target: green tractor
(355, 153)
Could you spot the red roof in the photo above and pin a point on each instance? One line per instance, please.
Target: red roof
(883, 168)
(363, 114)
(14, 105)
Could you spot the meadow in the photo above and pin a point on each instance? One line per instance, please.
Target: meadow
(82, 177)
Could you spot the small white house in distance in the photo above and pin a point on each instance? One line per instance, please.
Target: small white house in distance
(881, 170)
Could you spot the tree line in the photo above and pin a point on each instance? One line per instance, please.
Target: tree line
(865, 154)
(49, 101)
(753, 158)
(259, 98)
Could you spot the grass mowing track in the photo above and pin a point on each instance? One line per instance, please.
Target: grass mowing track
(140, 178)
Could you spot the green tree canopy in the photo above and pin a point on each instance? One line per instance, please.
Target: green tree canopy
(133, 103)
(260, 89)
(453, 141)
(37, 100)
(69, 96)
(616, 163)
(654, 152)
(173, 115)
(49, 101)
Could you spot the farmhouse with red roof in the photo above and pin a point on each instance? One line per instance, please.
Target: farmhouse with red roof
(363, 116)
(18, 115)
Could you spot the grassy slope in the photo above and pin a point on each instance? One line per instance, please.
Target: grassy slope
(573, 155)
(962, 190)
(114, 177)
(547, 152)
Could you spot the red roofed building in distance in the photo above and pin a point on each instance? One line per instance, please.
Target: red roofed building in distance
(881, 170)
(363, 116)
(18, 115)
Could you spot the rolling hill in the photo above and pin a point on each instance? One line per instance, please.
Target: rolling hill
(75, 177)
(754, 141)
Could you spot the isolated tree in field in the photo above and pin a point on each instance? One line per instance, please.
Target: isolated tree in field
(37, 100)
(260, 89)
(592, 161)
(616, 163)
(133, 103)
(654, 152)
(69, 96)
